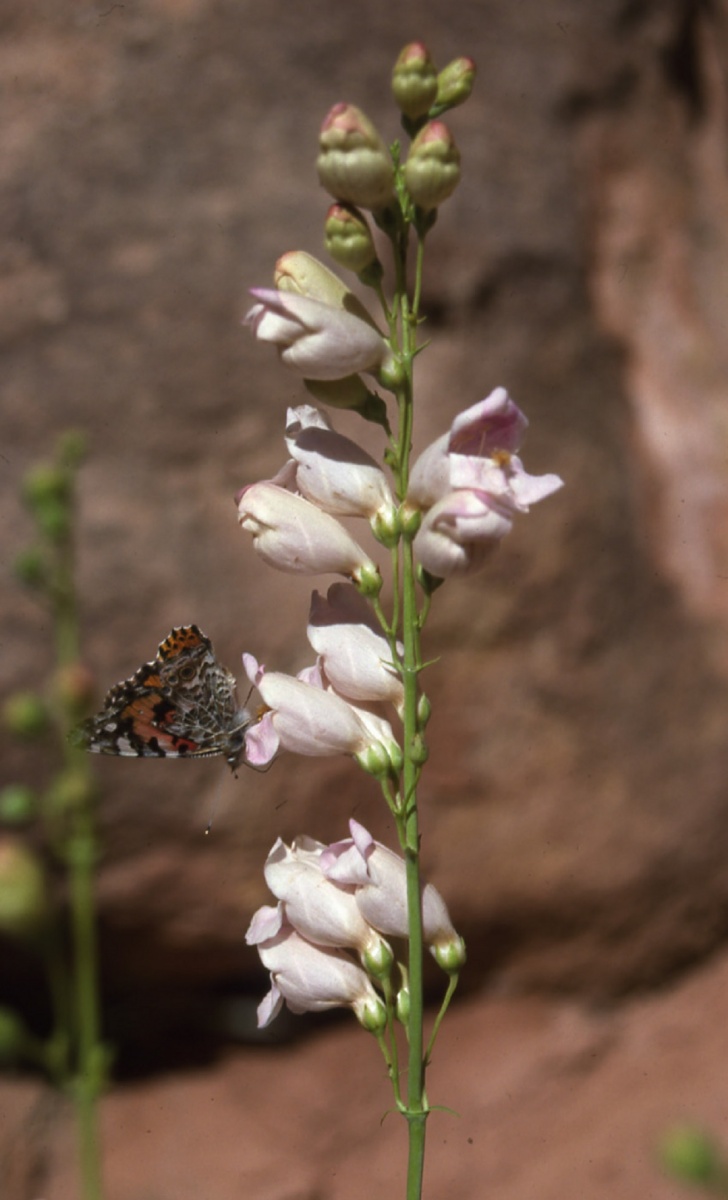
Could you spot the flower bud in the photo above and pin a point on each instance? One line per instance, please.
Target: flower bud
(414, 81)
(23, 899)
(690, 1155)
(18, 804)
(31, 568)
(378, 959)
(348, 238)
(455, 83)
(403, 1005)
(25, 714)
(349, 392)
(385, 527)
(419, 750)
(449, 954)
(368, 580)
(354, 164)
(371, 1014)
(432, 169)
(424, 711)
(375, 760)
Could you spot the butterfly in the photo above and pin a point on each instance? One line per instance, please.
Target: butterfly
(181, 705)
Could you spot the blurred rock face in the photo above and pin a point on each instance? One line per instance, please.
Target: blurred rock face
(156, 164)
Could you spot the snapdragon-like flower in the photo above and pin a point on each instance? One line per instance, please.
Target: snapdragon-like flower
(307, 719)
(294, 535)
(322, 911)
(470, 483)
(310, 978)
(380, 881)
(334, 472)
(314, 339)
(356, 657)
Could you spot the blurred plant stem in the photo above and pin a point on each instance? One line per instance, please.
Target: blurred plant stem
(74, 1055)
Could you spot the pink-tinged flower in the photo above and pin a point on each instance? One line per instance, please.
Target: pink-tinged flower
(317, 340)
(312, 979)
(470, 483)
(380, 879)
(294, 535)
(332, 471)
(323, 912)
(356, 657)
(306, 719)
(354, 164)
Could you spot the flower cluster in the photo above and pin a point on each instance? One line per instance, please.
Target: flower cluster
(332, 901)
(441, 516)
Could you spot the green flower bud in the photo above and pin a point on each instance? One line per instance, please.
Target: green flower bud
(18, 804)
(378, 959)
(348, 238)
(419, 750)
(385, 527)
(689, 1154)
(46, 485)
(424, 711)
(13, 1037)
(23, 898)
(450, 954)
(72, 448)
(391, 375)
(371, 1015)
(30, 567)
(403, 1005)
(354, 164)
(375, 760)
(432, 170)
(454, 84)
(414, 81)
(368, 580)
(350, 392)
(26, 715)
(410, 520)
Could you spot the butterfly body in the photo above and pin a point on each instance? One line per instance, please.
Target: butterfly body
(183, 704)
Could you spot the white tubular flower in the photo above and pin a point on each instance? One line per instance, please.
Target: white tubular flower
(332, 471)
(306, 719)
(294, 535)
(470, 484)
(312, 979)
(379, 877)
(322, 911)
(356, 657)
(313, 339)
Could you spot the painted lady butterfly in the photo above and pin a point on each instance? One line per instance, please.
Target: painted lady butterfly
(181, 705)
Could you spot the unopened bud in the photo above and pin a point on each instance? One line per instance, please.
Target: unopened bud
(690, 1155)
(419, 751)
(375, 760)
(73, 687)
(403, 1005)
(377, 959)
(348, 238)
(23, 898)
(414, 81)
(371, 1015)
(354, 164)
(26, 715)
(391, 374)
(368, 580)
(454, 84)
(432, 170)
(385, 526)
(18, 804)
(450, 954)
(350, 392)
(424, 711)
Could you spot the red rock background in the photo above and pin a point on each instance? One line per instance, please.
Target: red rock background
(157, 158)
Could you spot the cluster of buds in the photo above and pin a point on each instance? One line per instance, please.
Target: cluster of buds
(324, 942)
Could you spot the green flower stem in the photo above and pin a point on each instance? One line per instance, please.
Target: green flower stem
(89, 1072)
(451, 986)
